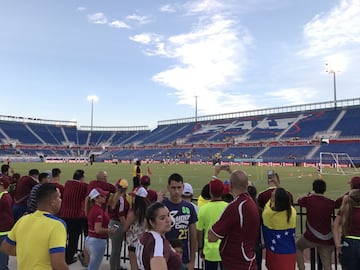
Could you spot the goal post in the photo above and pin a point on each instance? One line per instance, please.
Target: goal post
(336, 163)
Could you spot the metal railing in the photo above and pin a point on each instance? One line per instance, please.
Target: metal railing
(315, 262)
(314, 256)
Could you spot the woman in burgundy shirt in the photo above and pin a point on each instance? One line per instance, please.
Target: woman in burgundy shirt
(153, 251)
(98, 221)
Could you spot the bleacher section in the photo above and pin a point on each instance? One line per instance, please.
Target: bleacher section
(219, 130)
(349, 124)
(270, 135)
(310, 123)
(19, 132)
(241, 152)
(351, 148)
(287, 153)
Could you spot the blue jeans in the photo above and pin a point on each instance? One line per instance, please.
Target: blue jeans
(351, 253)
(4, 258)
(96, 248)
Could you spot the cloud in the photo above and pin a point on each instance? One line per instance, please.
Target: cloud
(154, 44)
(146, 38)
(168, 8)
(333, 31)
(98, 18)
(204, 6)
(118, 24)
(81, 8)
(139, 19)
(210, 59)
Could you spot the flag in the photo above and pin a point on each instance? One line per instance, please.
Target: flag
(279, 238)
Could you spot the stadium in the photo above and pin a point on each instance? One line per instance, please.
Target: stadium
(303, 135)
(258, 69)
(302, 140)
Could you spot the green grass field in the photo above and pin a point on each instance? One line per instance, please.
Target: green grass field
(297, 180)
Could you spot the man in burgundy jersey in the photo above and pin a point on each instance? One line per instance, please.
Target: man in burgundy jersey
(318, 234)
(22, 192)
(102, 182)
(237, 227)
(73, 212)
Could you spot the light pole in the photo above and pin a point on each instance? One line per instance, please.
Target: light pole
(330, 70)
(92, 99)
(196, 98)
(335, 64)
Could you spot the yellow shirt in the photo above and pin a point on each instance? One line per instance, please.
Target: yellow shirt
(201, 201)
(135, 173)
(36, 236)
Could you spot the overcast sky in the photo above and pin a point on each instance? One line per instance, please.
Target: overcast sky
(146, 60)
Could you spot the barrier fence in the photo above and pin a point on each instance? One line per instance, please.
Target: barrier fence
(315, 262)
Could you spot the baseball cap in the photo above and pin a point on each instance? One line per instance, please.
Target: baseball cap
(95, 192)
(188, 190)
(141, 192)
(145, 180)
(226, 187)
(355, 182)
(216, 187)
(4, 182)
(122, 183)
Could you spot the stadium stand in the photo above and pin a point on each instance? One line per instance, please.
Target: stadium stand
(292, 133)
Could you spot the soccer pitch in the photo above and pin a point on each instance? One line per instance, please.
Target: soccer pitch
(298, 180)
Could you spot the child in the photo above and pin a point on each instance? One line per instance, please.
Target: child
(178, 246)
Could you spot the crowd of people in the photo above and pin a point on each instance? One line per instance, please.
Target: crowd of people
(230, 227)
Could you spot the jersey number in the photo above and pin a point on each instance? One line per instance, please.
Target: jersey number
(183, 234)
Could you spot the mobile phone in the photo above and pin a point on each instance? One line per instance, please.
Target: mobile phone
(270, 174)
(224, 167)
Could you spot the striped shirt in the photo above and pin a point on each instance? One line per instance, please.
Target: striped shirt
(73, 199)
(31, 203)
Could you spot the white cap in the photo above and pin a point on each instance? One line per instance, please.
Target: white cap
(95, 192)
(141, 192)
(188, 190)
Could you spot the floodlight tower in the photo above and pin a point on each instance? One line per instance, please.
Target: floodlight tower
(330, 70)
(92, 99)
(335, 64)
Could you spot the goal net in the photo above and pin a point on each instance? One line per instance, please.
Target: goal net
(336, 163)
